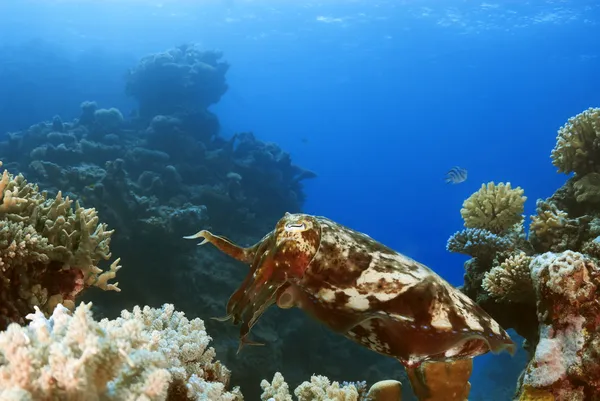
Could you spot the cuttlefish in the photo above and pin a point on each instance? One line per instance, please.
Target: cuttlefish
(359, 288)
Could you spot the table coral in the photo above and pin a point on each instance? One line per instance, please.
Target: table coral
(49, 251)
(146, 354)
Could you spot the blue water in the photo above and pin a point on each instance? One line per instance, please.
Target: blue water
(379, 98)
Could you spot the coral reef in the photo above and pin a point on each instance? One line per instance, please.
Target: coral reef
(160, 174)
(49, 251)
(545, 284)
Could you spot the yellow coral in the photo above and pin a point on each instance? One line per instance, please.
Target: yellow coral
(510, 280)
(49, 251)
(577, 143)
(494, 207)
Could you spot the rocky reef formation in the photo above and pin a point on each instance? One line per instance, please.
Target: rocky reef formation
(544, 283)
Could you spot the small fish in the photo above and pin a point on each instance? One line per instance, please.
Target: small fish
(456, 175)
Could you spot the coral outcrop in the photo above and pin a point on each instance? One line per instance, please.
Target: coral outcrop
(545, 284)
(185, 77)
(49, 250)
(565, 363)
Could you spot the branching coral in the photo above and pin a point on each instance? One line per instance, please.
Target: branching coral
(551, 229)
(494, 207)
(578, 143)
(320, 388)
(510, 280)
(49, 251)
(147, 354)
(478, 243)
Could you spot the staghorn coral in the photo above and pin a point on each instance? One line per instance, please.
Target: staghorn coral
(510, 280)
(147, 354)
(577, 144)
(494, 207)
(49, 251)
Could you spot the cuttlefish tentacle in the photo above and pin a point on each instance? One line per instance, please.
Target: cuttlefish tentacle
(237, 252)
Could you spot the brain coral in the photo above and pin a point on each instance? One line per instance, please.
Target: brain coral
(49, 251)
(577, 144)
(494, 207)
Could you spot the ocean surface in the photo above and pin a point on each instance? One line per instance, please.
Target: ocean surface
(379, 99)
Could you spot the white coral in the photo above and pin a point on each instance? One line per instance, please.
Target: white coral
(146, 354)
(320, 388)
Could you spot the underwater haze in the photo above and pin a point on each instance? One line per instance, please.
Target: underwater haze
(365, 105)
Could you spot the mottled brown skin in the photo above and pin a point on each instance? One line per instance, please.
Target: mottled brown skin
(360, 289)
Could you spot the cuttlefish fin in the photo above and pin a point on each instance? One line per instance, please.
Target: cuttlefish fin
(245, 255)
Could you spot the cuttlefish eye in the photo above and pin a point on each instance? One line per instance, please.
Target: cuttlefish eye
(295, 227)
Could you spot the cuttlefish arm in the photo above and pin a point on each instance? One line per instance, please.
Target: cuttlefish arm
(260, 287)
(279, 258)
(237, 252)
